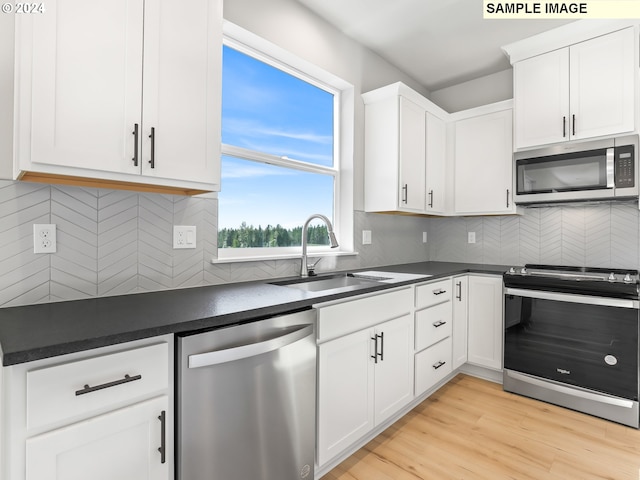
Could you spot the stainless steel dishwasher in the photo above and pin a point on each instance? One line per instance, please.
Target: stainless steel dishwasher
(246, 401)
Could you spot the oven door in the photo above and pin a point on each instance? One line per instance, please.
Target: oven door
(589, 342)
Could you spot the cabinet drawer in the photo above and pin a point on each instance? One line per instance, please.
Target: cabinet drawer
(432, 325)
(430, 368)
(433, 293)
(83, 387)
(351, 316)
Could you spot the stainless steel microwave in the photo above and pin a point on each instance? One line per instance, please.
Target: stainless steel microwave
(593, 170)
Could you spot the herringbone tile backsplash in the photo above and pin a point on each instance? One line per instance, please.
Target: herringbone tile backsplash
(113, 242)
(603, 235)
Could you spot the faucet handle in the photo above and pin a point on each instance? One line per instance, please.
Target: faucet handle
(311, 267)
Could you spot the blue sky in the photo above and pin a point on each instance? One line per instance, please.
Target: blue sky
(267, 110)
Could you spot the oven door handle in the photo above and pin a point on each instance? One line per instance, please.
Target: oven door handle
(567, 297)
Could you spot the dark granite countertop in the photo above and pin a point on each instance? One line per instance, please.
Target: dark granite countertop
(40, 331)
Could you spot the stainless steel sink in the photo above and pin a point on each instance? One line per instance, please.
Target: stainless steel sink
(343, 281)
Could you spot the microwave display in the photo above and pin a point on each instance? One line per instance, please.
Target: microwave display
(624, 167)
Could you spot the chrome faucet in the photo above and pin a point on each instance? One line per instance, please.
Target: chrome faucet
(305, 268)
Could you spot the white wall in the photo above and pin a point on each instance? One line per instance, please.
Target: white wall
(474, 93)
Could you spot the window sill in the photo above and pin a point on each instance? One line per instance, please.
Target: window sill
(286, 256)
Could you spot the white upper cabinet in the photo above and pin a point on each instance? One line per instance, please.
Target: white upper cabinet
(580, 91)
(404, 151)
(411, 156)
(541, 99)
(436, 171)
(483, 163)
(123, 91)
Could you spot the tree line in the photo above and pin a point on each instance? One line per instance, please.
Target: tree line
(247, 236)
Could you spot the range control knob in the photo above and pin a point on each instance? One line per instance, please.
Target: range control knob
(512, 270)
(612, 277)
(627, 278)
(523, 271)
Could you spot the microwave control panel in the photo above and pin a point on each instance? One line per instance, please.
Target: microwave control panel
(624, 162)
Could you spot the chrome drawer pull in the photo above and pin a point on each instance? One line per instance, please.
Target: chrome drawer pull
(438, 365)
(126, 379)
(439, 292)
(439, 323)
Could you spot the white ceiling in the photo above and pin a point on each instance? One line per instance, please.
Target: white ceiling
(438, 43)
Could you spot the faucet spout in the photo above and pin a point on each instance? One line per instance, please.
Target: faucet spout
(304, 268)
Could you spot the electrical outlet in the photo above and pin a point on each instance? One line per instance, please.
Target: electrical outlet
(472, 237)
(366, 237)
(184, 236)
(424, 237)
(44, 238)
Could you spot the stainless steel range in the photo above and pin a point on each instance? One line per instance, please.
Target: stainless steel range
(571, 338)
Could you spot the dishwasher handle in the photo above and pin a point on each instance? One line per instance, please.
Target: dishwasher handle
(292, 334)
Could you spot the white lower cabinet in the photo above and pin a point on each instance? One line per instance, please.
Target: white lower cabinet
(432, 365)
(102, 414)
(433, 328)
(127, 444)
(366, 376)
(485, 321)
(460, 315)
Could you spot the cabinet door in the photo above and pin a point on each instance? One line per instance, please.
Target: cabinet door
(460, 315)
(394, 369)
(435, 164)
(80, 74)
(412, 156)
(541, 99)
(120, 445)
(483, 164)
(182, 89)
(485, 321)
(345, 392)
(602, 73)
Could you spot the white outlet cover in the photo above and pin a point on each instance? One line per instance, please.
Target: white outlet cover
(44, 238)
(184, 236)
(424, 237)
(366, 237)
(472, 237)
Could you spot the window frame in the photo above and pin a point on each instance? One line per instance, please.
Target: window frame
(343, 95)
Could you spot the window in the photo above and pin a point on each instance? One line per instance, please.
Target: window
(281, 157)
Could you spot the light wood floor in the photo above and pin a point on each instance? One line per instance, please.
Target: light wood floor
(471, 429)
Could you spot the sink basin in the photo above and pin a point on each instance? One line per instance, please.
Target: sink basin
(345, 282)
(320, 284)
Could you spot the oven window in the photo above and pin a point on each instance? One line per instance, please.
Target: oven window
(590, 346)
(562, 173)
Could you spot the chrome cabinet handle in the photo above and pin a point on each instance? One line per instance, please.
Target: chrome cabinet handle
(152, 136)
(507, 198)
(405, 193)
(126, 379)
(439, 323)
(459, 295)
(135, 145)
(564, 127)
(431, 198)
(573, 125)
(437, 365)
(375, 347)
(439, 292)
(163, 437)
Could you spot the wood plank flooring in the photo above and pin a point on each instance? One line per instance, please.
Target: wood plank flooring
(472, 429)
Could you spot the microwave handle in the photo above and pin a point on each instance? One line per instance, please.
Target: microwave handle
(610, 168)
